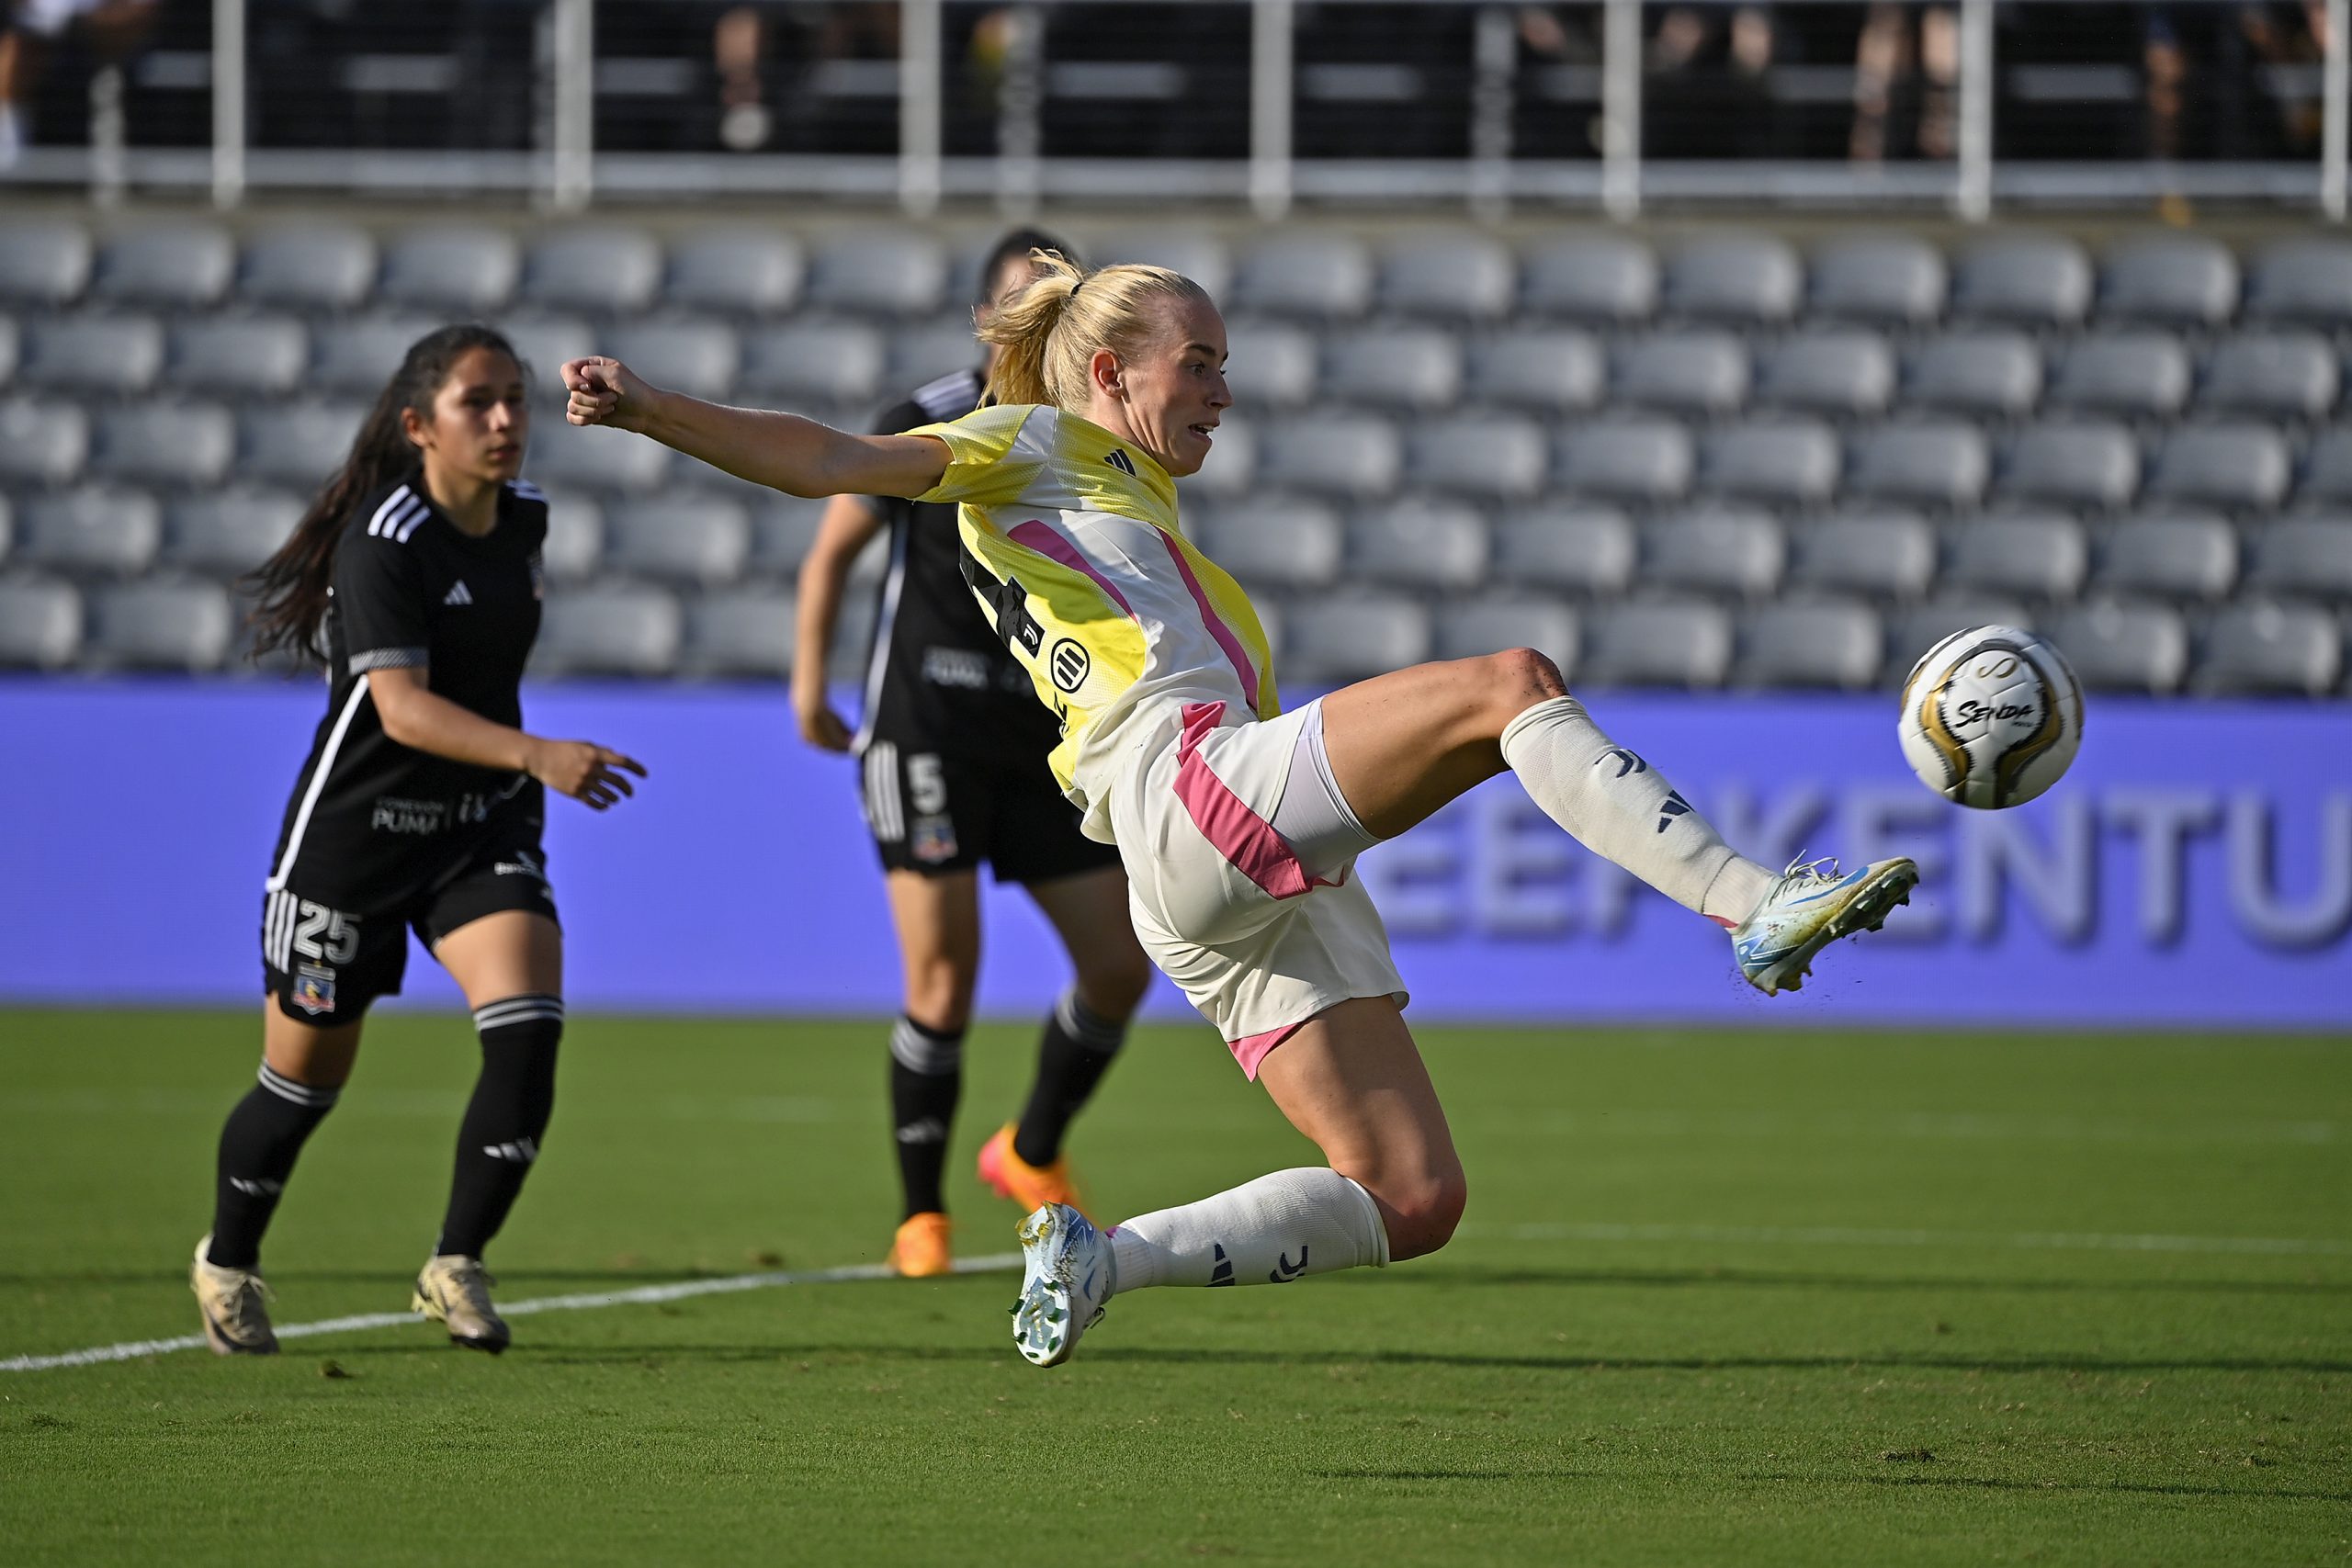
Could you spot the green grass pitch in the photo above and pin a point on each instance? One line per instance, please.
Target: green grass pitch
(1752, 1298)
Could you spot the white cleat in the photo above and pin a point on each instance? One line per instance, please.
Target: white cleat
(1809, 909)
(235, 1304)
(456, 1289)
(1066, 1281)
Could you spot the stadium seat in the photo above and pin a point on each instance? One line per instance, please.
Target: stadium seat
(95, 531)
(8, 525)
(1588, 550)
(2238, 467)
(2035, 280)
(2087, 465)
(109, 354)
(2173, 556)
(1887, 554)
(317, 267)
(1402, 367)
(1643, 460)
(2040, 556)
(160, 624)
(2303, 558)
(1783, 462)
(2288, 376)
(2326, 478)
(1231, 470)
(1500, 621)
(1486, 457)
(698, 357)
(921, 354)
(749, 271)
(2134, 374)
(743, 633)
(1547, 370)
(2261, 648)
(838, 362)
(450, 268)
(1747, 279)
(1718, 550)
(1832, 644)
(298, 444)
(1597, 278)
(1658, 643)
(1346, 637)
(1319, 277)
(1437, 546)
(1199, 256)
(575, 541)
(1883, 280)
(41, 622)
(246, 356)
(581, 454)
(42, 441)
(1846, 373)
(606, 268)
(2177, 280)
(182, 267)
(1692, 372)
(782, 528)
(1456, 279)
(620, 629)
(2120, 646)
(10, 341)
(43, 261)
(2304, 281)
(361, 355)
(887, 272)
(1276, 542)
(1273, 367)
(177, 444)
(1912, 631)
(1939, 464)
(1354, 456)
(1987, 374)
(544, 343)
(228, 532)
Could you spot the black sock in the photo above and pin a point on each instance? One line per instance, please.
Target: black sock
(1072, 1057)
(926, 1079)
(258, 1147)
(505, 1119)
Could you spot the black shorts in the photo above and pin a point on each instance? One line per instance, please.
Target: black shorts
(327, 955)
(934, 812)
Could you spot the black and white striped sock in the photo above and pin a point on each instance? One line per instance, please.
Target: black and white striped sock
(259, 1143)
(1073, 1054)
(505, 1119)
(926, 1080)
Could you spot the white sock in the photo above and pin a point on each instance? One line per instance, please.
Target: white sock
(1620, 807)
(1271, 1231)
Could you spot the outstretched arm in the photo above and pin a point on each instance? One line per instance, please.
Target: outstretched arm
(782, 451)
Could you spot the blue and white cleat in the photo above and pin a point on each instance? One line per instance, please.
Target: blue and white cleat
(1810, 906)
(1066, 1281)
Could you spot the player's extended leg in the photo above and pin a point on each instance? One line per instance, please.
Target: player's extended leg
(938, 921)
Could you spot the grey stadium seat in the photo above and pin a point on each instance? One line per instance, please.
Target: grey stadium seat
(1201, 257)
(1232, 468)
(743, 633)
(2139, 375)
(1273, 368)
(2181, 556)
(1987, 373)
(319, 266)
(887, 272)
(2031, 556)
(114, 354)
(1701, 372)
(2180, 280)
(1590, 278)
(1321, 276)
(43, 261)
(2120, 646)
(299, 445)
(2271, 375)
(1490, 457)
(1848, 373)
(748, 271)
(450, 267)
(1430, 545)
(1356, 456)
(575, 541)
(2238, 467)
(2039, 280)
(1557, 370)
(2261, 648)
(1912, 631)
(1749, 279)
(1574, 549)
(8, 525)
(10, 341)
(1888, 554)
(1832, 644)
(1348, 636)
(184, 267)
(2087, 465)
(1715, 550)
(228, 532)
(544, 343)
(173, 444)
(581, 454)
(1408, 368)
(1455, 279)
(782, 528)
(1889, 279)
(42, 440)
(1499, 621)
(1784, 462)
(838, 362)
(41, 622)
(1937, 463)
(605, 267)
(2327, 468)
(360, 356)
(624, 630)
(159, 625)
(94, 531)
(1277, 542)
(252, 355)
(1658, 643)
(921, 354)
(1627, 459)
(2303, 556)
(2303, 281)
(698, 357)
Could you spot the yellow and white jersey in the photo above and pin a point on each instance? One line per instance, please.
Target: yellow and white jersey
(1071, 542)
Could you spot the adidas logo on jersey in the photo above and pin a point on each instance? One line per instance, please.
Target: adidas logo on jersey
(1120, 461)
(458, 594)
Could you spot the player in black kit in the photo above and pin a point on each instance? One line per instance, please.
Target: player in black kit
(415, 575)
(953, 745)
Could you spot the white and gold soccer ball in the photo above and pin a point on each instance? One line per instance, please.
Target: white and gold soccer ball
(1992, 716)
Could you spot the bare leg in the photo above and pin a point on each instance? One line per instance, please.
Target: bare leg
(938, 921)
(506, 954)
(1089, 912)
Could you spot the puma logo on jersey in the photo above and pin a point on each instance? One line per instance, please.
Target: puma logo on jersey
(1119, 460)
(458, 594)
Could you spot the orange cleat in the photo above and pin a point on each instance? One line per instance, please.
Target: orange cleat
(1030, 1186)
(921, 1248)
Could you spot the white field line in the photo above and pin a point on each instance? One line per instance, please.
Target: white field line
(592, 1300)
(1840, 1235)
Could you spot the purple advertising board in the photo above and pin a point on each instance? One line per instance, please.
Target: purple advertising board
(2194, 868)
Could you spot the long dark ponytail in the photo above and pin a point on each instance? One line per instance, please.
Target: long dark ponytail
(290, 587)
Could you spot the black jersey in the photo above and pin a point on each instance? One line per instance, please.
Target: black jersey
(371, 819)
(939, 679)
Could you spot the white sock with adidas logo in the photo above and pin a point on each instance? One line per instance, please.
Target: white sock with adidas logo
(1271, 1231)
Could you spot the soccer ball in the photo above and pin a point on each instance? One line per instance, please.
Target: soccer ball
(1992, 716)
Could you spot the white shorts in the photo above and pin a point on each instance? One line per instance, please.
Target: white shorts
(1260, 942)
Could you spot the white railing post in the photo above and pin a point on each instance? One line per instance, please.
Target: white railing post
(1019, 113)
(109, 138)
(1269, 108)
(1495, 58)
(228, 102)
(1973, 186)
(2336, 84)
(1621, 109)
(571, 173)
(918, 108)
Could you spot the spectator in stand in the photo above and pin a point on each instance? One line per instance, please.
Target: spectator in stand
(29, 29)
